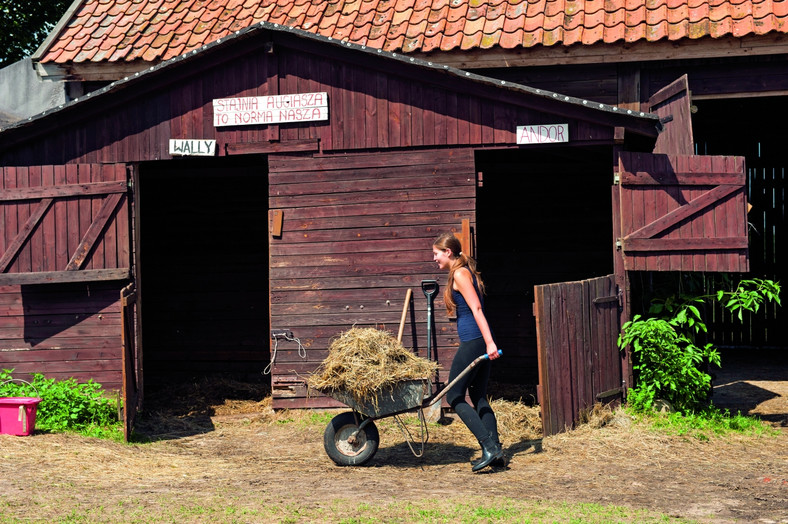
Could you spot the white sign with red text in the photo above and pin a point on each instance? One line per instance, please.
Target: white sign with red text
(543, 134)
(274, 109)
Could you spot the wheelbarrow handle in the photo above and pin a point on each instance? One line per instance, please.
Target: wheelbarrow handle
(430, 401)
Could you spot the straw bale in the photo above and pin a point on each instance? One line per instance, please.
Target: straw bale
(362, 361)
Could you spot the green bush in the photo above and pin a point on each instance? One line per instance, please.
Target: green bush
(66, 405)
(668, 362)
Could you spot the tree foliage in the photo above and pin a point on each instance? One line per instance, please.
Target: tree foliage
(25, 24)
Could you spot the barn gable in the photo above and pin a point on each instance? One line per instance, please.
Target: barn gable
(156, 105)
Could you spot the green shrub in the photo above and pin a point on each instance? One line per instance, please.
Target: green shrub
(668, 363)
(66, 405)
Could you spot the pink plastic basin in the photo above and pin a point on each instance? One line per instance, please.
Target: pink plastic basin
(18, 415)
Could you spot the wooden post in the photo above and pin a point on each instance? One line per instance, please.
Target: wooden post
(621, 275)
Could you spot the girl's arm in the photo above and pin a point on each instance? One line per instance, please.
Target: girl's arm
(464, 284)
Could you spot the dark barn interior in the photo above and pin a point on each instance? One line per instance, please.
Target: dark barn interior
(543, 216)
(203, 268)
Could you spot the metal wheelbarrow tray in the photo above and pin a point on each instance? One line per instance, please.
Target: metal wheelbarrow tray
(398, 398)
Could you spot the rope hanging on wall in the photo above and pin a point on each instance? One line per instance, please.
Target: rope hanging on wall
(276, 337)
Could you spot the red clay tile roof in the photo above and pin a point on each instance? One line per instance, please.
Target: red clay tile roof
(155, 30)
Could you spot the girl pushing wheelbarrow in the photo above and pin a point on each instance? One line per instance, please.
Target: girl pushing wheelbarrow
(463, 296)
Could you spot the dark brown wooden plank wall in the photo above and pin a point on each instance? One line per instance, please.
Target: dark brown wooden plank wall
(62, 331)
(357, 234)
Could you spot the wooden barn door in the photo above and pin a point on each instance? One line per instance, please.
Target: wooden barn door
(577, 324)
(672, 105)
(62, 226)
(682, 213)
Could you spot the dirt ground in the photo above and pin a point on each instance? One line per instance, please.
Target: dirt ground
(238, 449)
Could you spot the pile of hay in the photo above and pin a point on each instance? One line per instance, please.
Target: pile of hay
(362, 361)
(517, 421)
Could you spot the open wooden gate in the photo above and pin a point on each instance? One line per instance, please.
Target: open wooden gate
(577, 324)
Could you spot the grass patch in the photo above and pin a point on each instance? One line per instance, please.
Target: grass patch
(170, 508)
(705, 424)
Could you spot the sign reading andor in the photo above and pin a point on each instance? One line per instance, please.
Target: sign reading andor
(276, 109)
(543, 134)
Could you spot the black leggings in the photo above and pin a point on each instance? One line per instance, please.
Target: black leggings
(481, 421)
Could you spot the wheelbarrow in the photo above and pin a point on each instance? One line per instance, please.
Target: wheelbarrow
(351, 438)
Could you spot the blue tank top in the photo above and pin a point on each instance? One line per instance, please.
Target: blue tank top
(467, 329)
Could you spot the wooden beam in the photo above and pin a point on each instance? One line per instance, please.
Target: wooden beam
(287, 146)
(34, 193)
(60, 277)
(630, 245)
(677, 215)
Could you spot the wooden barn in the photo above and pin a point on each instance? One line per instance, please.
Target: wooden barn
(732, 52)
(243, 203)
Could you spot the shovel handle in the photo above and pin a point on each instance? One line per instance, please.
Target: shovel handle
(430, 401)
(429, 287)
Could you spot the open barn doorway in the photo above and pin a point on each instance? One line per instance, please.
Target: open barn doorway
(203, 269)
(754, 374)
(543, 216)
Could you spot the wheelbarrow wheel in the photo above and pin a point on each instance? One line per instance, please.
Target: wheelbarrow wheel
(346, 445)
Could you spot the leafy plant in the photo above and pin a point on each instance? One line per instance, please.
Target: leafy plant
(66, 405)
(668, 362)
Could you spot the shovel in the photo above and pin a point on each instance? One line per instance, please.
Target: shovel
(433, 412)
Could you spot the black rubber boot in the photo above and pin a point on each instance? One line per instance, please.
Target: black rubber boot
(497, 463)
(491, 451)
